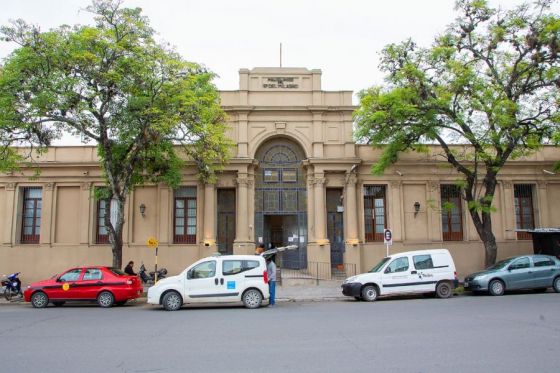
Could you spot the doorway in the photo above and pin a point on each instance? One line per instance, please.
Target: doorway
(283, 230)
(335, 225)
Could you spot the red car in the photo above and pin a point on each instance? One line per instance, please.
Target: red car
(105, 285)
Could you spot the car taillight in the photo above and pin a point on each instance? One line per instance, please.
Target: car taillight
(129, 282)
(265, 276)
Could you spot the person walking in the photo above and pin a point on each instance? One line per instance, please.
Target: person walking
(128, 269)
(271, 271)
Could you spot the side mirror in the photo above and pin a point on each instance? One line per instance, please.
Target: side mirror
(58, 279)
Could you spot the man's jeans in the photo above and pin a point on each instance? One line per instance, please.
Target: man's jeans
(272, 289)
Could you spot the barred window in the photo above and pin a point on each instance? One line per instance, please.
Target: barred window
(524, 211)
(451, 213)
(31, 215)
(375, 215)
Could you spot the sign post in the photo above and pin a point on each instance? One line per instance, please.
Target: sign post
(152, 243)
(387, 238)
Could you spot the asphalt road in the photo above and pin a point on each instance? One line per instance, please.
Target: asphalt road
(513, 333)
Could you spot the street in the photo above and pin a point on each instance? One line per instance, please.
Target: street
(514, 333)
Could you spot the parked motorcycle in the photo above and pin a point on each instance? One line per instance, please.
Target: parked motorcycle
(150, 277)
(12, 286)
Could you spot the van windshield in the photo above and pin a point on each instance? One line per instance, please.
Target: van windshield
(379, 265)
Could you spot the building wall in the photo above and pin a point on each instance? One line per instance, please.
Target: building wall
(271, 103)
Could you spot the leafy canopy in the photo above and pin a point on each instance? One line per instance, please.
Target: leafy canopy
(112, 84)
(490, 81)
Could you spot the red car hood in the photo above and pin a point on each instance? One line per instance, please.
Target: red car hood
(44, 283)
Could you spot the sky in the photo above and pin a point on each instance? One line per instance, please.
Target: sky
(342, 38)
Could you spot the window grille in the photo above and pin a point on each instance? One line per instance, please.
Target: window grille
(31, 215)
(524, 209)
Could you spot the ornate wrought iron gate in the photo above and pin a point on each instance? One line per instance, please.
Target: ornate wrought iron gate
(281, 200)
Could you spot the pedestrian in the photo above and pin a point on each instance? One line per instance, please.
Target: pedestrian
(271, 271)
(128, 269)
(260, 249)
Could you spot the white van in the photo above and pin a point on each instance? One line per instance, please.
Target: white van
(228, 278)
(422, 271)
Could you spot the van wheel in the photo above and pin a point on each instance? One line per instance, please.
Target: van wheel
(172, 301)
(443, 290)
(496, 288)
(556, 284)
(369, 293)
(252, 298)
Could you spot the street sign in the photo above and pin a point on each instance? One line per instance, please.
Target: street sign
(152, 242)
(387, 237)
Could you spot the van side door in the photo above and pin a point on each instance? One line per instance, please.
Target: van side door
(236, 275)
(397, 277)
(428, 274)
(202, 284)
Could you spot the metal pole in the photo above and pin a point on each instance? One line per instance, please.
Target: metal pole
(387, 249)
(155, 274)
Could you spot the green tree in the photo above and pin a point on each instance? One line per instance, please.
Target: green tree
(490, 81)
(145, 107)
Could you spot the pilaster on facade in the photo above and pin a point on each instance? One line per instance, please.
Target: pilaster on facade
(10, 214)
(320, 209)
(396, 210)
(242, 226)
(542, 203)
(164, 230)
(47, 214)
(433, 210)
(209, 237)
(87, 208)
(310, 205)
(509, 210)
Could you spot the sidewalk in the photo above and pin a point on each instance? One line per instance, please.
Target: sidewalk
(325, 291)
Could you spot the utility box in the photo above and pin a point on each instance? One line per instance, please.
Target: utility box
(546, 241)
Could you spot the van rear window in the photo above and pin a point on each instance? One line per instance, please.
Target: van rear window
(233, 267)
(423, 261)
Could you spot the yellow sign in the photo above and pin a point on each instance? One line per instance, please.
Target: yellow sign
(152, 242)
(65, 286)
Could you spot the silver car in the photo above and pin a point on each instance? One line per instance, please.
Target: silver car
(537, 272)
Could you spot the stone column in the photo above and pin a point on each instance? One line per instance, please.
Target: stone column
(319, 251)
(164, 231)
(320, 207)
(242, 244)
(310, 206)
(352, 246)
(209, 242)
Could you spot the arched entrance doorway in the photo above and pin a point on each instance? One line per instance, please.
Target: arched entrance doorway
(281, 200)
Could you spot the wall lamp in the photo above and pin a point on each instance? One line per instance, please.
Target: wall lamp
(143, 210)
(416, 208)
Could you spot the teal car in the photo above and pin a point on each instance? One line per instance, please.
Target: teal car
(537, 272)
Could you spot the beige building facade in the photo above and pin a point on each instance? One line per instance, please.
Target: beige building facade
(296, 177)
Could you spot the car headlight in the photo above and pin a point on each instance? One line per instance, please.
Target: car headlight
(480, 277)
(350, 279)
